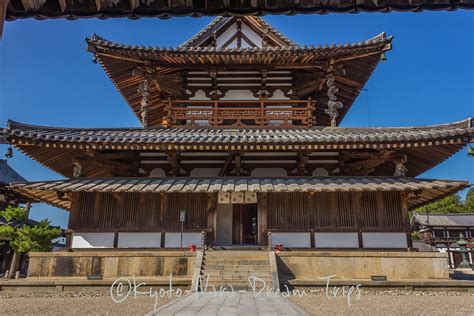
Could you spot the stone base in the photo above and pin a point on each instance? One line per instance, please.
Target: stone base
(111, 264)
(312, 265)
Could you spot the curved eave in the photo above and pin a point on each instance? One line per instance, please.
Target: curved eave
(99, 45)
(56, 148)
(58, 193)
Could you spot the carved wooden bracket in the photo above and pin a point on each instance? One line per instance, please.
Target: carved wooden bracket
(363, 163)
(333, 104)
(144, 90)
(77, 169)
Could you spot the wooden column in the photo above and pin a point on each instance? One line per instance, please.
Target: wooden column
(262, 217)
(404, 197)
(357, 212)
(312, 220)
(211, 217)
(163, 207)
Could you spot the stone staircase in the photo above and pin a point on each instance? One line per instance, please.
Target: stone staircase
(233, 267)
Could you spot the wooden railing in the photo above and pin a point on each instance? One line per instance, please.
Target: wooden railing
(240, 113)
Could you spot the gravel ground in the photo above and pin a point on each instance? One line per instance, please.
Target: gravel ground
(389, 302)
(69, 303)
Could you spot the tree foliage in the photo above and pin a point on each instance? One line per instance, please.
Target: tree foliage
(469, 203)
(450, 204)
(23, 237)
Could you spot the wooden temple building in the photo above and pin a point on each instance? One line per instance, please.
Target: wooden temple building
(241, 131)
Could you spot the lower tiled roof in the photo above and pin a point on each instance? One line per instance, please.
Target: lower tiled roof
(428, 189)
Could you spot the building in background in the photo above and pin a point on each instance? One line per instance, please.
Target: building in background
(240, 131)
(442, 231)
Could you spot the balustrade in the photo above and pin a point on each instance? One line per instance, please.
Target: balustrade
(240, 113)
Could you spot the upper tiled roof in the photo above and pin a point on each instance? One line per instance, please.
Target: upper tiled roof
(446, 220)
(74, 9)
(315, 135)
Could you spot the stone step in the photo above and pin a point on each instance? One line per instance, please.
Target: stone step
(237, 285)
(236, 267)
(231, 278)
(230, 253)
(236, 273)
(235, 262)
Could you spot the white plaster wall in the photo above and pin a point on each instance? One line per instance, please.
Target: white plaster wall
(320, 172)
(239, 95)
(172, 240)
(251, 35)
(292, 239)
(157, 172)
(224, 224)
(200, 95)
(269, 172)
(205, 172)
(278, 95)
(139, 240)
(224, 37)
(92, 240)
(384, 240)
(336, 240)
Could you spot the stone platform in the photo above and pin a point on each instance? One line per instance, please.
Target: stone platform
(111, 264)
(344, 265)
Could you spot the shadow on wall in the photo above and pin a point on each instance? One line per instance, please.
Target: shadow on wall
(284, 273)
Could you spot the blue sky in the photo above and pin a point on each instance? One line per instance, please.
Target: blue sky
(48, 78)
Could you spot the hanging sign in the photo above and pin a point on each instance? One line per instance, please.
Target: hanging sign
(182, 215)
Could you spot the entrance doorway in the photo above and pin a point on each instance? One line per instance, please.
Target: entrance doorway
(244, 224)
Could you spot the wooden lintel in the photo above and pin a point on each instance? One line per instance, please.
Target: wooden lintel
(226, 165)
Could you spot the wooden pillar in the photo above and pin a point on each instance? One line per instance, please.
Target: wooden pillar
(262, 215)
(357, 215)
(312, 219)
(163, 208)
(405, 208)
(69, 235)
(211, 217)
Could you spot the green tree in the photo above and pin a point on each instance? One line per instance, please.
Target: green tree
(450, 204)
(24, 238)
(469, 202)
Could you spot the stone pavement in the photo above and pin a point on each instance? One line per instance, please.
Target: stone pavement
(243, 303)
